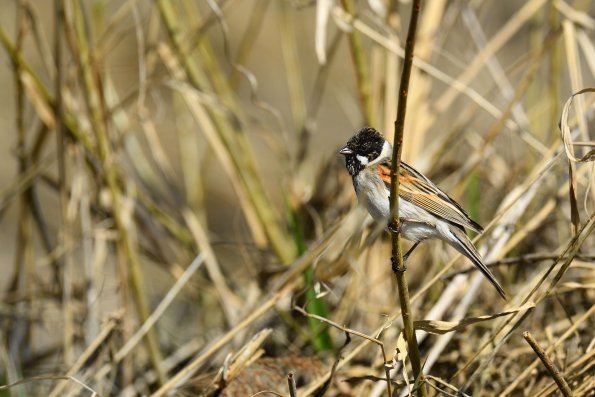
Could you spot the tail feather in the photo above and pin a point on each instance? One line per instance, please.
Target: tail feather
(462, 244)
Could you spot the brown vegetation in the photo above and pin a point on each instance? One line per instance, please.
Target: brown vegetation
(175, 218)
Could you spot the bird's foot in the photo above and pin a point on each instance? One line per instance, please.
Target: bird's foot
(394, 228)
(395, 265)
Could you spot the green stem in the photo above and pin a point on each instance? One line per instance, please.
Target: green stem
(321, 339)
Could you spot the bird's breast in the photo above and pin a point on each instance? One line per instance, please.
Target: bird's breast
(372, 192)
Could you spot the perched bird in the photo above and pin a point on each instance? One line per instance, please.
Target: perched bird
(425, 211)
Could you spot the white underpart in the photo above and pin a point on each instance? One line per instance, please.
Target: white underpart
(373, 194)
(362, 159)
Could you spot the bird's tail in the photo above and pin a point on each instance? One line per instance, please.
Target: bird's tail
(462, 244)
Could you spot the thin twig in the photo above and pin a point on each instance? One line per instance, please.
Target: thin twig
(397, 253)
(291, 385)
(47, 378)
(446, 384)
(356, 333)
(549, 365)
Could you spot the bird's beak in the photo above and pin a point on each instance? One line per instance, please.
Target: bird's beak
(345, 151)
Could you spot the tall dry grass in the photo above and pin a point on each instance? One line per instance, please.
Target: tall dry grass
(175, 218)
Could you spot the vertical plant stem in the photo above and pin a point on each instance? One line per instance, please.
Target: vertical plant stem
(18, 331)
(397, 253)
(248, 40)
(64, 235)
(360, 64)
(292, 66)
(126, 246)
(23, 230)
(553, 83)
(321, 340)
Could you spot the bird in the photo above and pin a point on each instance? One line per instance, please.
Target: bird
(425, 211)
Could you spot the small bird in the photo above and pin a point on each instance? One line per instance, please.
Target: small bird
(425, 211)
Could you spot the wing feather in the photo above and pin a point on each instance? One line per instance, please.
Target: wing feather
(415, 188)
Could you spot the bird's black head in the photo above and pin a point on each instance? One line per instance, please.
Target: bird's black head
(362, 148)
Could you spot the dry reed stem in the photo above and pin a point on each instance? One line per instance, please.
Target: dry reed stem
(360, 66)
(230, 303)
(133, 341)
(292, 65)
(439, 75)
(291, 385)
(573, 246)
(48, 378)
(417, 124)
(65, 237)
(496, 42)
(498, 126)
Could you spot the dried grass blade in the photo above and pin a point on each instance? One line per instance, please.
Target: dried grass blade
(230, 303)
(323, 10)
(438, 327)
(572, 159)
(92, 349)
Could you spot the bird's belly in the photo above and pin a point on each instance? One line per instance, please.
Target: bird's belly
(416, 223)
(415, 231)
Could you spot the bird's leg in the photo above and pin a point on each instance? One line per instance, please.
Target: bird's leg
(393, 228)
(406, 256)
(394, 263)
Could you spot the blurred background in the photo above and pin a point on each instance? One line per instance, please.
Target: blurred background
(174, 164)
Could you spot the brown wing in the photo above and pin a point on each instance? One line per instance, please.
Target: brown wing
(419, 190)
